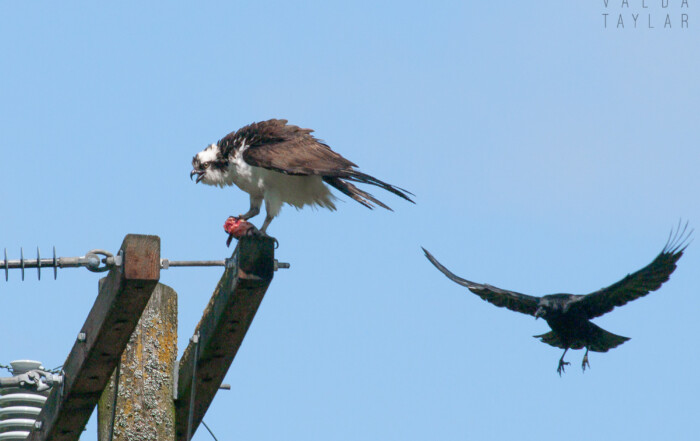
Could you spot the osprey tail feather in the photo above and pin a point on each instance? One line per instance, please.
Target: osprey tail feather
(341, 183)
(356, 176)
(350, 190)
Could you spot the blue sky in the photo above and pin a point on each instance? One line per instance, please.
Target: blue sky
(547, 154)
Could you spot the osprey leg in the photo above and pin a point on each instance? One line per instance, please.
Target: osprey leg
(562, 363)
(265, 224)
(254, 210)
(584, 363)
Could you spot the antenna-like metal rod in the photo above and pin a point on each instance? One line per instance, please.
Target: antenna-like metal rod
(101, 260)
(91, 261)
(62, 262)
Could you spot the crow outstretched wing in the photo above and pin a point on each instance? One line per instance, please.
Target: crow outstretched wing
(500, 297)
(635, 285)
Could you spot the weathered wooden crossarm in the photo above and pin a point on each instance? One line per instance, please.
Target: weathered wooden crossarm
(222, 328)
(122, 297)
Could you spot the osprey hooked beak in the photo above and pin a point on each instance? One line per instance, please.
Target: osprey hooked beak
(199, 173)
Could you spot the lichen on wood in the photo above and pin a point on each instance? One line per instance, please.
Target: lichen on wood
(144, 409)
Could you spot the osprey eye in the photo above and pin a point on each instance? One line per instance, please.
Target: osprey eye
(206, 164)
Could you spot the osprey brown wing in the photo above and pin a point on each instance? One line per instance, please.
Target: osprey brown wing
(275, 145)
(500, 297)
(635, 285)
(289, 149)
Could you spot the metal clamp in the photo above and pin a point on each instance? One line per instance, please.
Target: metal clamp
(93, 258)
(36, 380)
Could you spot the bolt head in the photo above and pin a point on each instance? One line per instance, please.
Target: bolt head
(38, 425)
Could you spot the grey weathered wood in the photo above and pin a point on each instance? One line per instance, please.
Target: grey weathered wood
(222, 328)
(145, 409)
(122, 297)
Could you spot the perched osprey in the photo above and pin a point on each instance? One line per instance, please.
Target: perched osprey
(279, 163)
(568, 314)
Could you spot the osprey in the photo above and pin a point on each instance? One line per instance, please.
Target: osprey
(279, 163)
(569, 315)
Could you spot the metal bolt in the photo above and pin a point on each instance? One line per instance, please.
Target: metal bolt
(38, 425)
(82, 337)
(279, 265)
(225, 386)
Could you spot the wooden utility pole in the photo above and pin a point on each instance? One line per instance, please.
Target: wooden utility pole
(133, 325)
(144, 401)
(221, 330)
(122, 297)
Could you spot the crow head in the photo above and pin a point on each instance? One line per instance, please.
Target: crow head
(541, 312)
(210, 166)
(552, 305)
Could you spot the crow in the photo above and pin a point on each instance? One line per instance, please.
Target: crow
(569, 315)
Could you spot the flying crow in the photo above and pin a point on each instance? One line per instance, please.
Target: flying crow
(280, 163)
(569, 315)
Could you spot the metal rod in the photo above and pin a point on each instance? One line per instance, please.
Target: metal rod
(210, 432)
(190, 416)
(166, 262)
(114, 401)
(100, 260)
(61, 262)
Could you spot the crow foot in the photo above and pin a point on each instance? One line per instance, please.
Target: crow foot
(585, 363)
(561, 369)
(562, 363)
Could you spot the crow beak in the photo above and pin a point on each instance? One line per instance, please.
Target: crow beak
(200, 175)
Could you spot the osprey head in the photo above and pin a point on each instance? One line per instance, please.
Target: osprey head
(209, 166)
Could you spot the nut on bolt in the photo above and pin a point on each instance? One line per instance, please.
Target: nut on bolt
(82, 337)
